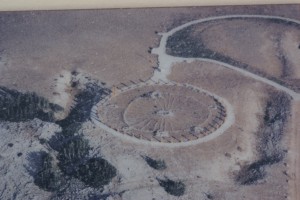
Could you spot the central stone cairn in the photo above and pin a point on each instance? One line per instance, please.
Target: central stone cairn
(163, 113)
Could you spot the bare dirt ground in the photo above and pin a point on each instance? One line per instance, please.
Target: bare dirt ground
(57, 67)
(265, 49)
(211, 77)
(277, 63)
(294, 158)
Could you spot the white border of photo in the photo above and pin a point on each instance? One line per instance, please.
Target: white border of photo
(18, 5)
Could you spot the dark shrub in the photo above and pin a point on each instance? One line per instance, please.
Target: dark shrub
(175, 188)
(155, 164)
(96, 172)
(48, 177)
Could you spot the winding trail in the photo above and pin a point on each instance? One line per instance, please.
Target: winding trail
(165, 64)
(160, 76)
(166, 61)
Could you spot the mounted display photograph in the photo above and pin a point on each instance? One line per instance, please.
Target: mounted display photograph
(188, 103)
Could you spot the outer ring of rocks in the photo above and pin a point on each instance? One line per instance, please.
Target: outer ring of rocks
(228, 118)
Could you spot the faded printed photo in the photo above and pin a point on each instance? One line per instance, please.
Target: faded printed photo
(191, 103)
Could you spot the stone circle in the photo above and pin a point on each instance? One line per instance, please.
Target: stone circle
(163, 113)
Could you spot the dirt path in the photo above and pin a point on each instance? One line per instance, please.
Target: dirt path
(294, 156)
(165, 65)
(166, 61)
(164, 69)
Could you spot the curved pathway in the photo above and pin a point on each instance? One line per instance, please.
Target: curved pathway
(166, 61)
(161, 76)
(164, 69)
